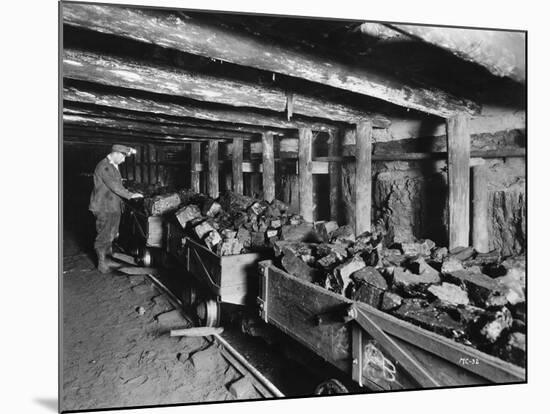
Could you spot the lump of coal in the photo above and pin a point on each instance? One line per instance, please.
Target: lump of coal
(449, 293)
(343, 234)
(345, 270)
(494, 323)
(187, 214)
(514, 349)
(295, 266)
(391, 301)
(482, 290)
(300, 232)
(427, 316)
(462, 253)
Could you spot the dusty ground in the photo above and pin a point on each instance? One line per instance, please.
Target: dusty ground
(115, 357)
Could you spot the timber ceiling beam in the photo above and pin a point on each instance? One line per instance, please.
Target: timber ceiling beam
(96, 134)
(140, 75)
(99, 111)
(501, 52)
(190, 35)
(145, 127)
(134, 101)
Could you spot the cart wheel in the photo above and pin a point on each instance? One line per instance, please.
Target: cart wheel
(208, 312)
(146, 258)
(330, 387)
(189, 295)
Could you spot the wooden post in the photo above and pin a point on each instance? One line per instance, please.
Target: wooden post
(144, 173)
(458, 153)
(268, 163)
(135, 167)
(213, 169)
(152, 164)
(161, 167)
(195, 159)
(480, 207)
(334, 169)
(363, 177)
(237, 165)
(305, 176)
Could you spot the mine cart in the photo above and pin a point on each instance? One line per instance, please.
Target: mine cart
(141, 234)
(228, 279)
(376, 350)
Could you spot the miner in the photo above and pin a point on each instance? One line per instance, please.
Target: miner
(106, 203)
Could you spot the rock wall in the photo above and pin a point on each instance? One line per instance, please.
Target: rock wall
(410, 201)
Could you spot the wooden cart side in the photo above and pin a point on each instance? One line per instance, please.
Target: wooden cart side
(292, 304)
(203, 264)
(239, 278)
(232, 278)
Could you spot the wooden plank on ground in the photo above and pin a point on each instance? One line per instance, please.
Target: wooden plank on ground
(137, 271)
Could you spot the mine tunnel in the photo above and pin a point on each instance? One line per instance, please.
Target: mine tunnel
(308, 206)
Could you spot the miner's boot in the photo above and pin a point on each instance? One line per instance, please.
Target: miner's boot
(111, 263)
(102, 265)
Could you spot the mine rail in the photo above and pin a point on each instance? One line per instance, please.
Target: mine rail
(265, 387)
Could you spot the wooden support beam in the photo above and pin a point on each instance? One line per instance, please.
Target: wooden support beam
(305, 176)
(145, 76)
(237, 165)
(188, 34)
(137, 101)
(213, 169)
(363, 177)
(255, 183)
(480, 207)
(151, 163)
(161, 167)
(146, 127)
(268, 164)
(71, 108)
(137, 171)
(334, 171)
(195, 173)
(458, 143)
(143, 158)
(503, 53)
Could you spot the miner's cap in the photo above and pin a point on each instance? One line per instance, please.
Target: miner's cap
(123, 149)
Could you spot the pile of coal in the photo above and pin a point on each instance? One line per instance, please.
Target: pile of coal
(474, 298)
(236, 224)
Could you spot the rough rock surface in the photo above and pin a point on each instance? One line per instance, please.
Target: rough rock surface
(410, 198)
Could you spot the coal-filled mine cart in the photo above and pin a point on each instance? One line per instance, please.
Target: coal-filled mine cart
(219, 279)
(376, 350)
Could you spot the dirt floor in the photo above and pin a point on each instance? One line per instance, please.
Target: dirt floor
(118, 355)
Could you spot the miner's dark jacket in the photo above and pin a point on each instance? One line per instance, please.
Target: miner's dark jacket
(108, 190)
